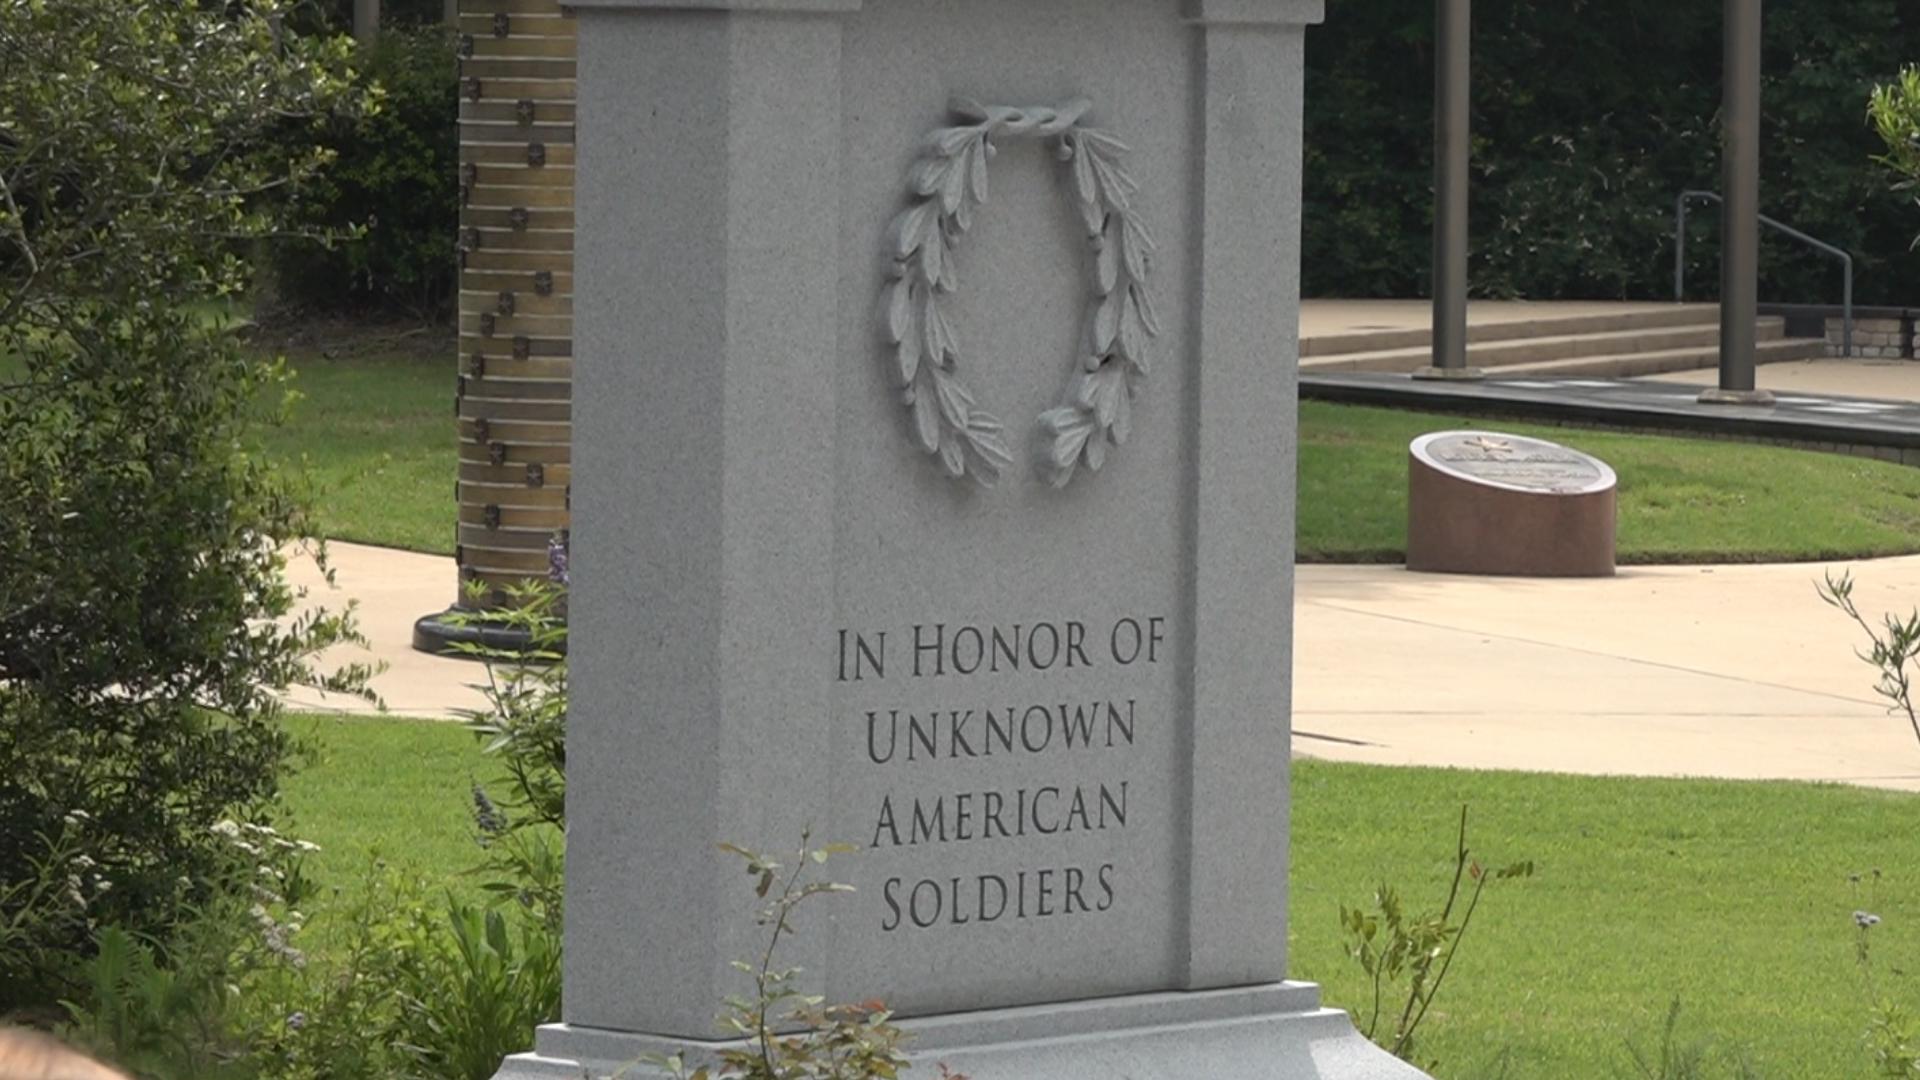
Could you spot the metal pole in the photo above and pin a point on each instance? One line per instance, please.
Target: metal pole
(1846, 331)
(1680, 250)
(1740, 212)
(1451, 124)
(366, 21)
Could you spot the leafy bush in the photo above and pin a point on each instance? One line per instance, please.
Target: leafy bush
(1893, 647)
(141, 590)
(477, 992)
(1895, 112)
(394, 181)
(411, 987)
(1675, 1056)
(824, 1042)
(443, 989)
(331, 1018)
(408, 987)
(1392, 947)
(525, 726)
(1589, 119)
(175, 1007)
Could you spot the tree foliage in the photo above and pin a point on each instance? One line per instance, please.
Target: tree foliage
(1895, 111)
(1589, 118)
(142, 605)
(394, 178)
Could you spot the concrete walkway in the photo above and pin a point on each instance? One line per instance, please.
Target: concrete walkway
(391, 589)
(1732, 671)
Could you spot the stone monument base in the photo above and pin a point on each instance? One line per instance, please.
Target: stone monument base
(1489, 503)
(1277, 1032)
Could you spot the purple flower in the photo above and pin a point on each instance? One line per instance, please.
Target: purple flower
(557, 546)
(486, 815)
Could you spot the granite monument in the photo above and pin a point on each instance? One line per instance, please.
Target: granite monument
(935, 431)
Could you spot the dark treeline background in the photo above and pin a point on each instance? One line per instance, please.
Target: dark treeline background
(337, 15)
(1589, 118)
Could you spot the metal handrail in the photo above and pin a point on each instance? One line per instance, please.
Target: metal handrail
(1680, 258)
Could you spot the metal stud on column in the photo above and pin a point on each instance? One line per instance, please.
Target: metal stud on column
(515, 385)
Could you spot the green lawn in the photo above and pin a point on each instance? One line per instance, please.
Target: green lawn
(1730, 896)
(374, 436)
(1681, 500)
(392, 789)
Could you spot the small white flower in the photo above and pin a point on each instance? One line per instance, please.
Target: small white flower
(83, 861)
(1865, 919)
(226, 827)
(306, 846)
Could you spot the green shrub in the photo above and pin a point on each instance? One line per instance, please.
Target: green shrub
(781, 1032)
(525, 726)
(141, 581)
(332, 1017)
(1395, 948)
(477, 992)
(175, 1008)
(395, 174)
(1674, 1056)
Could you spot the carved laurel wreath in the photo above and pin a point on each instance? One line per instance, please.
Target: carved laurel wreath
(948, 183)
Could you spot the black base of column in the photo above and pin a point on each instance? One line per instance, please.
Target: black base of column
(440, 635)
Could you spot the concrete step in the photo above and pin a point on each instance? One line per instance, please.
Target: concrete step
(1547, 325)
(1506, 353)
(1632, 365)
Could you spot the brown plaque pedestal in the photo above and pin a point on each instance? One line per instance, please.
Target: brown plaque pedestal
(1487, 503)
